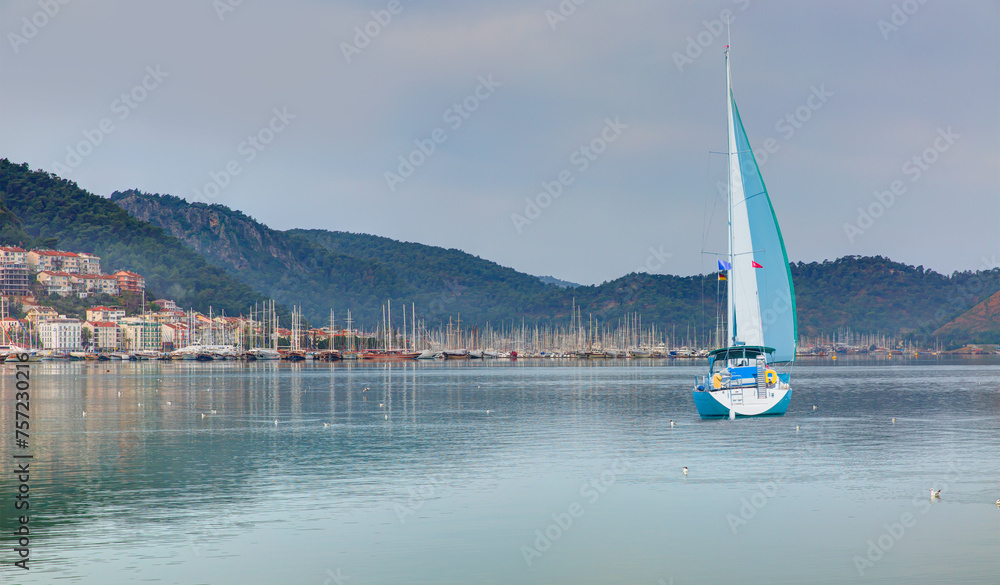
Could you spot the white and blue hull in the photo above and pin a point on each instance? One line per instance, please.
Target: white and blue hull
(723, 404)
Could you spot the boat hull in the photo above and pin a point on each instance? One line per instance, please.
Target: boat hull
(716, 404)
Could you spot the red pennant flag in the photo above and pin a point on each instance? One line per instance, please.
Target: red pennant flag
(754, 264)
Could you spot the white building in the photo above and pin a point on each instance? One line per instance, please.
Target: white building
(61, 334)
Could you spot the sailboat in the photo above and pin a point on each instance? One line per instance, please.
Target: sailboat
(743, 377)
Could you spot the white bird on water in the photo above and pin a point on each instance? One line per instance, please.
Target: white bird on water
(935, 493)
(685, 471)
(275, 422)
(893, 420)
(815, 407)
(325, 425)
(796, 427)
(998, 502)
(672, 424)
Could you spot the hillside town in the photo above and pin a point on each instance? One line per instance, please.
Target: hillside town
(106, 329)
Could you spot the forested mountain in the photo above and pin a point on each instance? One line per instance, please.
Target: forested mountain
(42, 210)
(320, 269)
(201, 254)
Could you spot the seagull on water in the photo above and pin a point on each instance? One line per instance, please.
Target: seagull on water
(893, 420)
(213, 411)
(796, 427)
(935, 493)
(815, 407)
(275, 422)
(685, 471)
(998, 503)
(203, 415)
(672, 424)
(325, 425)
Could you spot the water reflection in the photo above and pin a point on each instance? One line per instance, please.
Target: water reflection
(194, 472)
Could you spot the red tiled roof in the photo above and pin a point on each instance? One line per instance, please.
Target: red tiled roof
(103, 324)
(56, 253)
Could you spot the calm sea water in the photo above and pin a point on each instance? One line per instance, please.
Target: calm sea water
(497, 472)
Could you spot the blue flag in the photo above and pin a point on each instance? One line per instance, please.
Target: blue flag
(723, 265)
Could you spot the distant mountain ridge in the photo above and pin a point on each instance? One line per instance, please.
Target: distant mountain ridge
(558, 282)
(203, 255)
(359, 271)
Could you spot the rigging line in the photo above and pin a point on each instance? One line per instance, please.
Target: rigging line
(707, 220)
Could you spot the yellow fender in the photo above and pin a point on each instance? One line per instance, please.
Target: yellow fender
(717, 381)
(771, 377)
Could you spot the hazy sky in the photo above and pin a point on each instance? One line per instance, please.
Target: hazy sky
(297, 113)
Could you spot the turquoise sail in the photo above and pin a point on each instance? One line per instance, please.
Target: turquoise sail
(758, 255)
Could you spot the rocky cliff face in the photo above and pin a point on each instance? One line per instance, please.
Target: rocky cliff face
(232, 240)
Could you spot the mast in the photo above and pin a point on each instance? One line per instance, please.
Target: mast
(730, 320)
